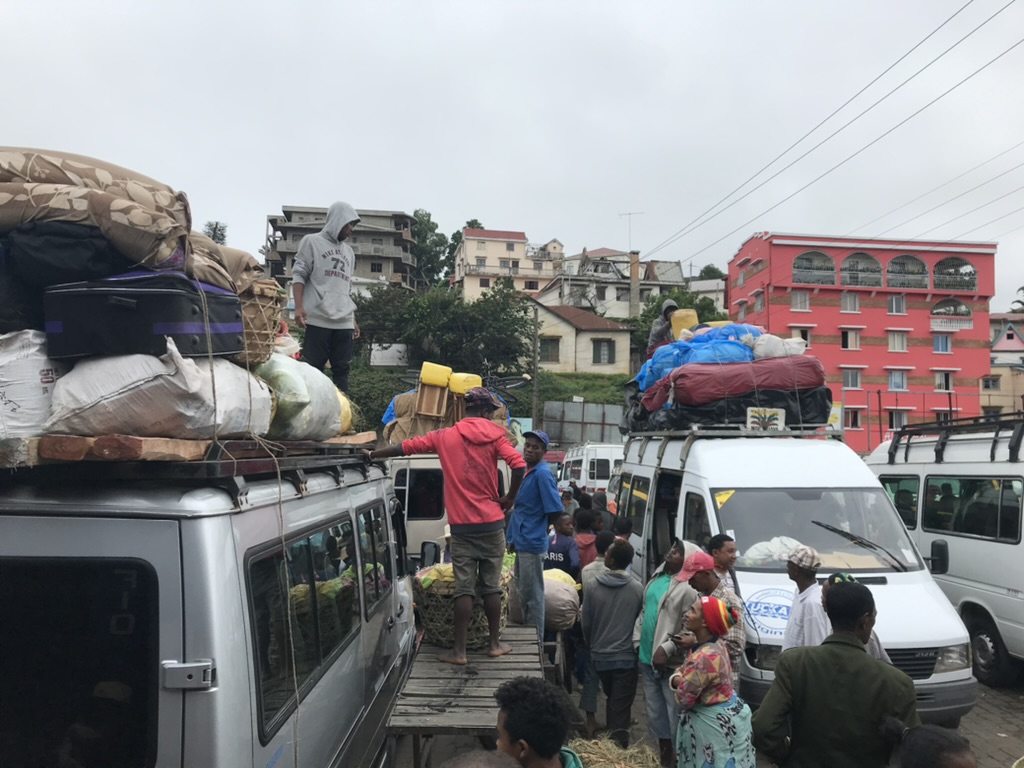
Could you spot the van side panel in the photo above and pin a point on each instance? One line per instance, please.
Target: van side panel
(216, 629)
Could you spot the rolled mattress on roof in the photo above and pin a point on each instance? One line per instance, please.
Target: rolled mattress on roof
(703, 383)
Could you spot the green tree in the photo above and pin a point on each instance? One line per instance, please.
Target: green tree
(216, 231)
(456, 240)
(430, 249)
(710, 272)
(380, 315)
(704, 305)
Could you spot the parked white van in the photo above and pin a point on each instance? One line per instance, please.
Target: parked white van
(771, 491)
(961, 483)
(220, 613)
(591, 465)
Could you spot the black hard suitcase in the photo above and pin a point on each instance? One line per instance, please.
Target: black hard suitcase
(134, 312)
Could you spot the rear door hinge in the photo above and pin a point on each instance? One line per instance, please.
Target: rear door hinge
(188, 675)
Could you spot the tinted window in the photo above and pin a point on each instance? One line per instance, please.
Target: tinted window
(375, 556)
(312, 578)
(423, 492)
(695, 520)
(640, 489)
(903, 491)
(600, 469)
(986, 507)
(79, 663)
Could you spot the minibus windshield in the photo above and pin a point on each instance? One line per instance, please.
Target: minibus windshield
(853, 529)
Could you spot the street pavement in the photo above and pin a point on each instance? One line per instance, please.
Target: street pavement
(995, 728)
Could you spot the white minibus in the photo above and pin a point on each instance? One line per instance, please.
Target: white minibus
(961, 482)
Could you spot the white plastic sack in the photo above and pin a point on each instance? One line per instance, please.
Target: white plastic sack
(27, 378)
(769, 345)
(166, 396)
(308, 407)
(561, 605)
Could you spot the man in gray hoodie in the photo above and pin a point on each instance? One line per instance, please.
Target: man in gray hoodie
(612, 603)
(661, 328)
(324, 265)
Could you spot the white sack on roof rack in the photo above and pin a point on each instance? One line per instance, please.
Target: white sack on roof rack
(27, 378)
(166, 396)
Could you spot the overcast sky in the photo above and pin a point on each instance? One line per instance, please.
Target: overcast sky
(549, 117)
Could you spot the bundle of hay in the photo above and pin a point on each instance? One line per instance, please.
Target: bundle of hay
(607, 754)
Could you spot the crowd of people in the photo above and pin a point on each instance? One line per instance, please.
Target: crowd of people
(836, 700)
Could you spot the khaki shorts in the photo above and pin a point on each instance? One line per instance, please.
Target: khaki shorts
(477, 559)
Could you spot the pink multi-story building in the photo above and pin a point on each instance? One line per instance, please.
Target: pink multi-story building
(902, 327)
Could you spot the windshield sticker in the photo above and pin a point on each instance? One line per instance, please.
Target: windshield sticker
(723, 496)
(768, 611)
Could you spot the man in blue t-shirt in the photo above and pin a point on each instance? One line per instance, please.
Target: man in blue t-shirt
(537, 505)
(563, 552)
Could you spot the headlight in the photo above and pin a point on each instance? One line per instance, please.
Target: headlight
(763, 656)
(953, 658)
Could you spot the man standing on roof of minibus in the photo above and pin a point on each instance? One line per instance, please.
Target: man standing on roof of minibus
(469, 453)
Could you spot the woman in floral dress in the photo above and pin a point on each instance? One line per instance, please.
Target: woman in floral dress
(714, 730)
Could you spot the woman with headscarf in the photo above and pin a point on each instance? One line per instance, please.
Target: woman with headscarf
(714, 730)
(874, 646)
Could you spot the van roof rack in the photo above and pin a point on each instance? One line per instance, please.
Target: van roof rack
(741, 430)
(944, 430)
(226, 465)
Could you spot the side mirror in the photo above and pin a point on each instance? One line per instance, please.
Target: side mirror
(939, 561)
(430, 554)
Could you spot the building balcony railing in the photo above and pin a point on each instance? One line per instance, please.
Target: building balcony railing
(956, 282)
(864, 279)
(907, 281)
(286, 246)
(814, 276)
(952, 323)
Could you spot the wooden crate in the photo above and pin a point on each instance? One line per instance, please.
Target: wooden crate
(431, 400)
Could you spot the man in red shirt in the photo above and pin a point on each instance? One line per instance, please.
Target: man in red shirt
(469, 453)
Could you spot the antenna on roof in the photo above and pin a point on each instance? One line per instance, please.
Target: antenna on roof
(629, 217)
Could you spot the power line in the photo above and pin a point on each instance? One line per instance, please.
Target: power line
(993, 221)
(696, 223)
(947, 202)
(936, 189)
(867, 146)
(973, 210)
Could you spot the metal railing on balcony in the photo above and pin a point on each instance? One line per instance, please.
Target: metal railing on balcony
(952, 323)
(867, 279)
(956, 282)
(814, 276)
(919, 281)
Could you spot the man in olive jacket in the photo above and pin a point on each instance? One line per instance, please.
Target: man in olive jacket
(828, 701)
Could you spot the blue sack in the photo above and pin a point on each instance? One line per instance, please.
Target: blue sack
(719, 351)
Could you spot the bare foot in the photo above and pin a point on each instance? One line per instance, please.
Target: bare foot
(449, 657)
(499, 650)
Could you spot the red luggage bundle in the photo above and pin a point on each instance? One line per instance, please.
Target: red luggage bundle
(703, 383)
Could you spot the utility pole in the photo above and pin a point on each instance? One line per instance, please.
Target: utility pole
(629, 217)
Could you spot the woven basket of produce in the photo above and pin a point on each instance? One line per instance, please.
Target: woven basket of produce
(263, 302)
(434, 592)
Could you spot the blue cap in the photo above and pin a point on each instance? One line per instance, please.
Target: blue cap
(542, 436)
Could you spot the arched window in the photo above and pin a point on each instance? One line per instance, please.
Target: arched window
(906, 272)
(955, 274)
(814, 268)
(951, 308)
(861, 269)
(951, 315)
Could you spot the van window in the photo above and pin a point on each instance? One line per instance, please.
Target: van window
(853, 529)
(636, 509)
(622, 494)
(79, 652)
(974, 506)
(423, 493)
(376, 558)
(903, 492)
(600, 469)
(695, 520)
(666, 511)
(573, 470)
(324, 607)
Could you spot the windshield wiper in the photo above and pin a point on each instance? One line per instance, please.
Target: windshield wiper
(866, 543)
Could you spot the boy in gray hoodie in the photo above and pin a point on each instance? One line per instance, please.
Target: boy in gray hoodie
(322, 287)
(612, 604)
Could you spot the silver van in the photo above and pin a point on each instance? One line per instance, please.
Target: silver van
(250, 612)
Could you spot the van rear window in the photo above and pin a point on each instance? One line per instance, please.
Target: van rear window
(79, 663)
